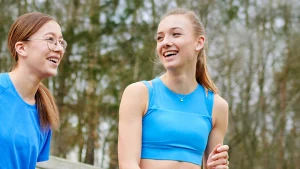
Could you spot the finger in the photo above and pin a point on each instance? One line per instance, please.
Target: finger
(220, 155)
(222, 167)
(223, 148)
(218, 162)
(214, 150)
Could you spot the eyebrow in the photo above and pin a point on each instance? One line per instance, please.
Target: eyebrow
(51, 33)
(170, 29)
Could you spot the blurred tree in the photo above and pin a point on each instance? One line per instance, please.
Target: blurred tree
(253, 57)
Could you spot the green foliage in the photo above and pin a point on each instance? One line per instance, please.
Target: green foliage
(253, 58)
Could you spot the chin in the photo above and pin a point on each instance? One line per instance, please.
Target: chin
(170, 66)
(50, 74)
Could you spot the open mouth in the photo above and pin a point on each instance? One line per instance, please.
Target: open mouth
(170, 53)
(54, 60)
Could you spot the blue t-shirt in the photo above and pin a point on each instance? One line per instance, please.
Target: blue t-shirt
(174, 129)
(22, 141)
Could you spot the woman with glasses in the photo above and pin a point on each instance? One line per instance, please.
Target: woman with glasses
(177, 120)
(28, 111)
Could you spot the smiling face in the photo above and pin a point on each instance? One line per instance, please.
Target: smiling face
(177, 45)
(36, 56)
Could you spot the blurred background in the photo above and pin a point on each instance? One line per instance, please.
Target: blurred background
(253, 57)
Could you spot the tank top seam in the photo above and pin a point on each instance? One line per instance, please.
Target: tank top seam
(150, 96)
(198, 113)
(209, 99)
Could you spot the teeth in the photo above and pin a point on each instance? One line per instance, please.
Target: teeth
(170, 53)
(53, 60)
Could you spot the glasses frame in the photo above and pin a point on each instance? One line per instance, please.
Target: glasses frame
(55, 43)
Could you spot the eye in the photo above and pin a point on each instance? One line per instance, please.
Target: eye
(159, 38)
(62, 42)
(176, 34)
(50, 39)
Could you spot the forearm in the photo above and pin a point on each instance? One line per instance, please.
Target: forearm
(129, 166)
(204, 162)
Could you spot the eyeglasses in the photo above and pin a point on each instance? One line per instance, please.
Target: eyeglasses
(52, 43)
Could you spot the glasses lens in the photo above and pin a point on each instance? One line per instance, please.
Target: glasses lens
(53, 44)
(64, 44)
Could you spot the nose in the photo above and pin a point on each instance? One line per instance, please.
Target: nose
(166, 43)
(59, 48)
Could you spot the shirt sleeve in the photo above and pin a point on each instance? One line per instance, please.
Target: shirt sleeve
(45, 149)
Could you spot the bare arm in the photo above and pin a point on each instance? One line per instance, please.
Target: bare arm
(132, 107)
(214, 147)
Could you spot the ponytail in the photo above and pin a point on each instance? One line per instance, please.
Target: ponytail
(202, 75)
(48, 112)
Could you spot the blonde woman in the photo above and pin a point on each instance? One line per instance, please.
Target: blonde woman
(177, 120)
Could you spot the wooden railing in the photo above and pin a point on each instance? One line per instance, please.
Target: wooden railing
(60, 163)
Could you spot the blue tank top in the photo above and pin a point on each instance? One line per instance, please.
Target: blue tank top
(175, 130)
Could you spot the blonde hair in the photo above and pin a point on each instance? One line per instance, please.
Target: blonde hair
(201, 75)
(25, 26)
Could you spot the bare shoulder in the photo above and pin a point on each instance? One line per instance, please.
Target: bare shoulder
(220, 103)
(134, 99)
(220, 111)
(136, 89)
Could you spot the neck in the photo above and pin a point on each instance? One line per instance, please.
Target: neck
(183, 83)
(25, 84)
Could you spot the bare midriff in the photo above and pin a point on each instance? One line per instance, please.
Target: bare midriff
(166, 164)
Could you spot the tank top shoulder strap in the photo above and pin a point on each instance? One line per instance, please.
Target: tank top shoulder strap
(156, 81)
(150, 90)
(209, 102)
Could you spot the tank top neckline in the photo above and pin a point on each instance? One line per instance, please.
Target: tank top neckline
(171, 91)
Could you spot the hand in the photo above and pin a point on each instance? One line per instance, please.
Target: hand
(218, 158)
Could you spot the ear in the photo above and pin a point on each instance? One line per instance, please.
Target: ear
(200, 43)
(21, 49)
